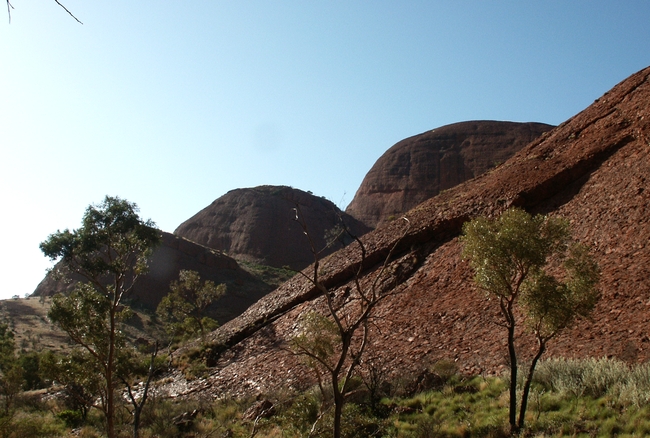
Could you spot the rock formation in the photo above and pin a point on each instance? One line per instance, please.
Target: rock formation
(258, 225)
(174, 254)
(420, 167)
(592, 169)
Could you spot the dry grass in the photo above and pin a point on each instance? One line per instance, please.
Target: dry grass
(33, 331)
(27, 317)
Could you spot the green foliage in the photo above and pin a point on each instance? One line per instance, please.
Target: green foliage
(628, 385)
(513, 257)
(465, 407)
(31, 425)
(110, 251)
(7, 346)
(445, 369)
(551, 305)
(113, 239)
(79, 374)
(11, 373)
(183, 309)
(85, 316)
(270, 275)
(317, 339)
(503, 252)
(30, 364)
(71, 418)
(300, 412)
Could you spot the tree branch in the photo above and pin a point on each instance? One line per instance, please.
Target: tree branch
(10, 7)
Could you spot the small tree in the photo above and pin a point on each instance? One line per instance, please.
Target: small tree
(125, 370)
(317, 340)
(183, 309)
(110, 251)
(11, 374)
(513, 257)
(334, 345)
(77, 372)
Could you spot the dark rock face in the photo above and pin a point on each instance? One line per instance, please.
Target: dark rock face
(420, 167)
(258, 225)
(174, 254)
(592, 169)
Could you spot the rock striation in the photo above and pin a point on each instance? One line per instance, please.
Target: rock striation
(592, 169)
(259, 225)
(420, 167)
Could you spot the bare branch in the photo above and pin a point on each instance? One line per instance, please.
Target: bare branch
(66, 9)
(10, 7)
(347, 322)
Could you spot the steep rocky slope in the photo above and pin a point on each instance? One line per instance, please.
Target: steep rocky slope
(419, 167)
(257, 225)
(176, 253)
(592, 169)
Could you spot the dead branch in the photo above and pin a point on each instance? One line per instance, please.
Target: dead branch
(10, 7)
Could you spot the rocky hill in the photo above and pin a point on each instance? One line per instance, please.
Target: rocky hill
(420, 167)
(592, 169)
(258, 225)
(174, 254)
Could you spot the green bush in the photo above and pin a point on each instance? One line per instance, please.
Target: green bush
(635, 389)
(302, 412)
(31, 425)
(596, 378)
(445, 368)
(71, 418)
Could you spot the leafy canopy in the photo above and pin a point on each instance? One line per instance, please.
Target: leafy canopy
(316, 339)
(183, 309)
(111, 241)
(552, 304)
(503, 252)
(85, 316)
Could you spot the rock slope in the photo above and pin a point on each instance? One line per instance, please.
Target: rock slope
(420, 167)
(592, 169)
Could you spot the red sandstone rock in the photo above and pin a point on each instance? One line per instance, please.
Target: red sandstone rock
(258, 225)
(593, 169)
(420, 167)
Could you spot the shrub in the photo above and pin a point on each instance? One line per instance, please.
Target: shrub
(71, 418)
(30, 425)
(445, 368)
(585, 377)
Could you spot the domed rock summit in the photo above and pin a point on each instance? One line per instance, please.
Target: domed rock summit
(419, 167)
(259, 225)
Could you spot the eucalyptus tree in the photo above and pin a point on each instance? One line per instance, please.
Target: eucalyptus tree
(109, 251)
(531, 262)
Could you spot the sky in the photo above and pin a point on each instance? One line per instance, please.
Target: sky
(172, 104)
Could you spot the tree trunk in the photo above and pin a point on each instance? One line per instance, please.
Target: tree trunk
(513, 379)
(529, 381)
(110, 365)
(137, 407)
(338, 412)
(136, 421)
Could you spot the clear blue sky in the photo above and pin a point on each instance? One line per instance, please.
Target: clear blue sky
(172, 104)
